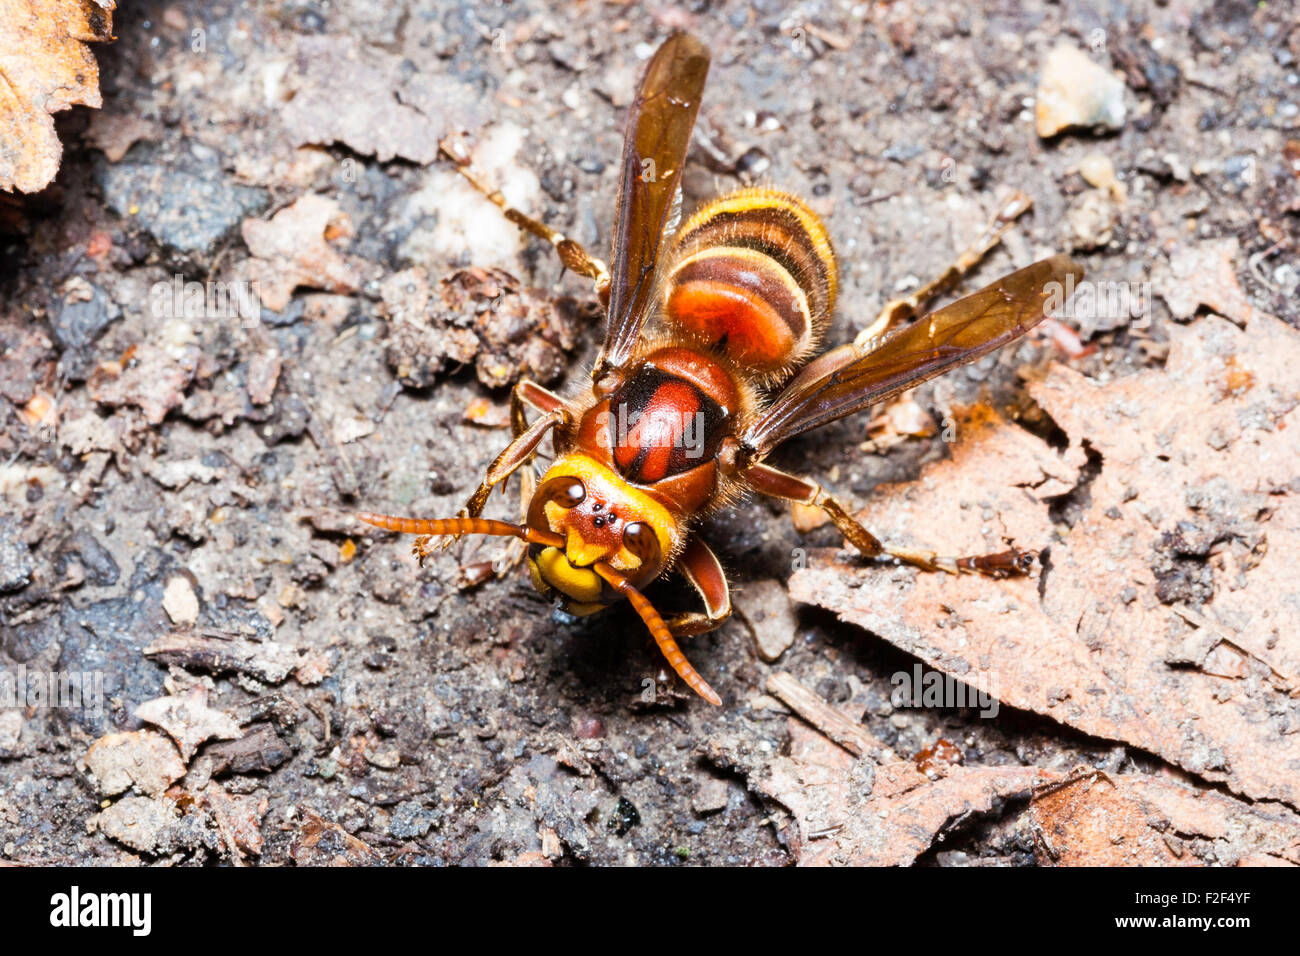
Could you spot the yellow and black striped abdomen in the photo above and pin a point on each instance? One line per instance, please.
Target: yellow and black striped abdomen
(753, 274)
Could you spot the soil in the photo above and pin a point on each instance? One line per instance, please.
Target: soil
(198, 473)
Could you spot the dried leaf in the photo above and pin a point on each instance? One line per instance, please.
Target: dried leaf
(188, 720)
(1203, 274)
(1194, 504)
(292, 250)
(848, 811)
(142, 758)
(1094, 819)
(45, 67)
(358, 95)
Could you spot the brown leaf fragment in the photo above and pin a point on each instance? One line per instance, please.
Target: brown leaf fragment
(292, 249)
(1095, 819)
(188, 720)
(322, 843)
(45, 67)
(144, 759)
(218, 653)
(1194, 507)
(238, 818)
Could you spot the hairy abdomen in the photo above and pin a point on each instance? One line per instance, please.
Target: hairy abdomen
(753, 275)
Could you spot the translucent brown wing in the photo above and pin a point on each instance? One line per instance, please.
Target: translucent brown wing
(654, 151)
(845, 380)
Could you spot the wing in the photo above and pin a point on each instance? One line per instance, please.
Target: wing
(845, 380)
(654, 151)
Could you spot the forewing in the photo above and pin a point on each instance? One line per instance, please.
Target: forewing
(844, 381)
(654, 151)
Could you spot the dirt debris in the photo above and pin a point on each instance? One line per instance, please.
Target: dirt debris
(430, 725)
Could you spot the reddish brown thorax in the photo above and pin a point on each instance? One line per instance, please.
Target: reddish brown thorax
(661, 429)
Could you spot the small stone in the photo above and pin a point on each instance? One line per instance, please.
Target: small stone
(624, 817)
(1076, 92)
(141, 823)
(1092, 218)
(711, 797)
(189, 205)
(807, 518)
(180, 602)
(410, 821)
(16, 565)
(768, 610)
(1097, 170)
(385, 758)
(11, 728)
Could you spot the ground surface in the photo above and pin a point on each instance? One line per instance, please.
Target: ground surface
(192, 483)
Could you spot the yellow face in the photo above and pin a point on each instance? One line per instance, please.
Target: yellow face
(601, 518)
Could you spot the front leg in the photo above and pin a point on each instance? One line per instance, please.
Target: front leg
(524, 395)
(516, 454)
(769, 481)
(701, 568)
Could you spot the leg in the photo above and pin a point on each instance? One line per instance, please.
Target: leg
(516, 454)
(778, 484)
(526, 439)
(524, 395)
(574, 257)
(701, 567)
(908, 307)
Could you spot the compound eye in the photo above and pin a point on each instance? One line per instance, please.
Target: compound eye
(641, 540)
(565, 490)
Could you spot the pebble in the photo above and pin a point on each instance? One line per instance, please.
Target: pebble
(180, 602)
(16, 565)
(767, 607)
(1074, 92)
(1097, 170)
(711, 797)
(188, 206)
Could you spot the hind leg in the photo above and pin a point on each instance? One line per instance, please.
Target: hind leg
(898, 311)
(769, 481)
